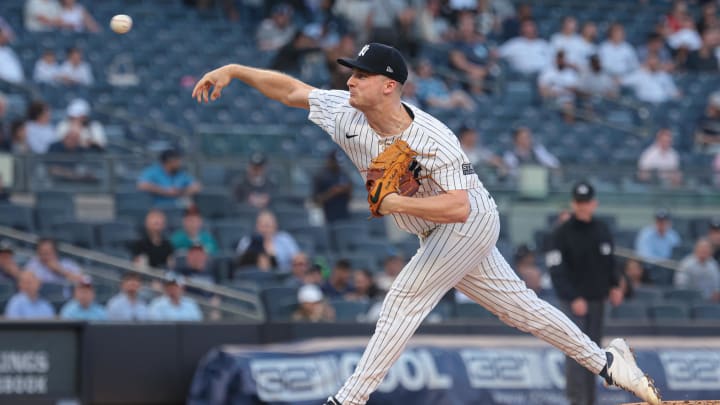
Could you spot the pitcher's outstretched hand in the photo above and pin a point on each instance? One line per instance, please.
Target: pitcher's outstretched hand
(218, 78)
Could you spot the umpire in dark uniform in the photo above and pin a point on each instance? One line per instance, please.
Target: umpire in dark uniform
(582, 267)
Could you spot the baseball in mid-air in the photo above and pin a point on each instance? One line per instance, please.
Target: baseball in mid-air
(121, 23)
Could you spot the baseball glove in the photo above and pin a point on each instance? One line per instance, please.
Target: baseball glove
(395, 170)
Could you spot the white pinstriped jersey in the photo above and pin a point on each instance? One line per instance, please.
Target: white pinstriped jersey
(441, 155)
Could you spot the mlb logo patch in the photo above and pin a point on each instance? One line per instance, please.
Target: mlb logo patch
(468, 168)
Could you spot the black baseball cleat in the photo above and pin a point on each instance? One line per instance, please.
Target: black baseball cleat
(332, 401)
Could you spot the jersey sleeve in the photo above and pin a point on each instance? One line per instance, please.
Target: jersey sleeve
(324, 106)
(451, 168)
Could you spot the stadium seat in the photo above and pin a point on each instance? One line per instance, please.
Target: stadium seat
(667, 312)
(705, 312)
(117, 234)
(349, 311)
(228, 233)
(687, 296)
(647, 295)
(660, 276)
(471, 310)
(279, 302)
(17, 217)
(629, 311)
(75, 232)
(214, 205)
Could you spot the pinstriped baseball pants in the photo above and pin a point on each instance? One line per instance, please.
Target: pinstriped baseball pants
(464, 256)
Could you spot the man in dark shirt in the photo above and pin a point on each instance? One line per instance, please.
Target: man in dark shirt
(707, 133)
(255, 186)
(153, 248)
(338, 284)
(582, 268)
(333, 189)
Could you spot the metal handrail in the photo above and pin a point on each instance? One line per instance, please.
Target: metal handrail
(630, 254)
(157, 274)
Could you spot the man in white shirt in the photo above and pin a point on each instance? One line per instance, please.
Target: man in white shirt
(660, 157)
(527, 53)
(525, 152)
(699, 271)
(10, 66)
(651, 84)
(42, 15)
(686, 38)
(558, 83)
(75, 71)
(40, 133)
(617, 56)
(568, 40)
(50, 268)
(46, 68)
(127, 305)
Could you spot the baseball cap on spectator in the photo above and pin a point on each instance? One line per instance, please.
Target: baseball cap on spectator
(380, 59)
(78, 108)
(309, 293)
(174, 278)
(170, 154)
(6, 246)
(715, 223)
(257, 159)
(583, 192)
(282, 8)
(662, 214)
(85, 281)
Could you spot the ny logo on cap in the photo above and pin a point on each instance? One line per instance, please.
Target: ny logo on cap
(363, 50)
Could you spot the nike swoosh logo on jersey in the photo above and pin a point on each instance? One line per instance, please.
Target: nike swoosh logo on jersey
(348, 136)
(374, 198)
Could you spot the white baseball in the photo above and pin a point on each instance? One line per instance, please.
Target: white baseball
(121, 23)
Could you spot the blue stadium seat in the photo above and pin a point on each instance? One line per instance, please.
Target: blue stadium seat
(349, 311)
(228, 233)
(687, 296)
(667, 312)
(279, 302)
(117, 234)
(647, 295)
(214, 205)
(705, 312)
(76, 233)
(17, 217)
(629, 311)
(471, 310)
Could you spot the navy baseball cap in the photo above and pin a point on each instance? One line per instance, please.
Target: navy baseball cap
(715, 223)
(662, 214)
(583, 191)
(380, 59)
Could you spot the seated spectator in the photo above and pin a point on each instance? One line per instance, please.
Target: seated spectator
(192, 233)
(525, 152)
(168, 183)
(708, 17)
(289, 58)
(655, 46)
(75, 17)
(433, 92)
(469, 55)
(339, 283)
(10, 66)
(713, 235)
(47, 68)
(70, 143)
(83, 306)
(197, 266)
(558, 84)
(18, 137)
(661, 158)
(588, 46)
(152, 248)
(332, 189)
(255, 257)
(392, 266)
(27, 303)
(433, 27)
(527, 54)
(574, 47)
(699, 271)
(707, 129)
(9, 269)
(127, 305)
(255, 186)
(477, 153)
(512, 25)
(173, 305)
(39, 131)
(299, 271)
(595, 83)
(277, 30)
(673, 20)
(651, 84)
(92, 133)
(312, 306)
(656, 242)
(364, 288)
(314, 275)
(686, 39)
(278, 245)
(636, 274)
(50, 268)
(704, 58)
(618, 57)
(528, 270)
(42, 15)
(75, 71)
